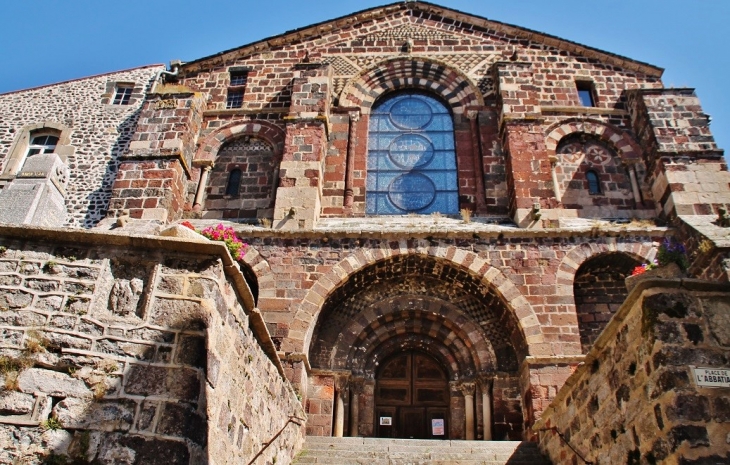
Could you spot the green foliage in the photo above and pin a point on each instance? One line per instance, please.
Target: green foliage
(51, 424)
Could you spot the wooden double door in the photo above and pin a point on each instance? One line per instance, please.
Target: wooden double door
(412, 398)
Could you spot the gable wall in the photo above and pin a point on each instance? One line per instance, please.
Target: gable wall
(469, 50)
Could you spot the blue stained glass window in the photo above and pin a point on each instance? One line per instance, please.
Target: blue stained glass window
(411, 158)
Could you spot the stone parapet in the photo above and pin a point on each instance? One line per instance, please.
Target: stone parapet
(126, 349)
(636, 399)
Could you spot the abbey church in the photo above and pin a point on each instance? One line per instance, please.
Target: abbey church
(441, 212)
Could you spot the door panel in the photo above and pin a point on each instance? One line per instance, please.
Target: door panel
(412, 422)
(412, 388)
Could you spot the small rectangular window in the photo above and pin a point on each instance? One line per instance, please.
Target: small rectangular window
(586, 93)
(235, 98)
(237, 88)
(122, 95)
(239, 78)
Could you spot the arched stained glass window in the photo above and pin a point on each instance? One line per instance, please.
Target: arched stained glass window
(594, 185)
(411, 158)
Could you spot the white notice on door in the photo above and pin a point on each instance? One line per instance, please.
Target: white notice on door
(437, 426)
(386, 421)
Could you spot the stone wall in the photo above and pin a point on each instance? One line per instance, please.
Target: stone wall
(635, 399)
(144, 350)
(420, 47)
(99, 132)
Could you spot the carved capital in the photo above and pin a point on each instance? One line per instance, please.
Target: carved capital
(485, 383)
(342, 382)
(472, 114)
(354, 116)
(467, 389)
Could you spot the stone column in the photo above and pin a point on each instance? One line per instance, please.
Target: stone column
(476, 147)
(355, 390)
(556, 186)
(340, 390)
(468, 390)
(202, 184)
(350, 168)
(339, 415)
(486, 388)
(634, 183)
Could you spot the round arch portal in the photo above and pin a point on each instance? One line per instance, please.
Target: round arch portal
(411, 306)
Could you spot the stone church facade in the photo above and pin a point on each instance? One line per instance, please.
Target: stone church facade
(440, 209)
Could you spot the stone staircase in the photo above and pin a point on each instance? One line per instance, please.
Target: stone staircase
(373, 451)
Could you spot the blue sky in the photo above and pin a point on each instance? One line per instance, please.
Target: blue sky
(46, 41)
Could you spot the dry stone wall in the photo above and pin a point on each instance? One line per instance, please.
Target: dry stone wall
(100, 133)
(124, 354)
(635, 400)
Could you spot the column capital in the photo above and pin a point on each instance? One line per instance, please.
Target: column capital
(357, 385)
(354, 115)
(342, 382)
(467, 388)
(485, 382)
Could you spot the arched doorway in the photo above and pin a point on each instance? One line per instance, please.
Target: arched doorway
(404, 306)
(412, 398)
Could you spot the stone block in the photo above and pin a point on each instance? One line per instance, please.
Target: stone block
(16, 403)
(106, 415)
(52, 383)
(183, 420)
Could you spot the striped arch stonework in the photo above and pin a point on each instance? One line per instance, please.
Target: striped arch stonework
(572, 261)
(261, 268)
(414, 73)
(302, 327)
(627, 149)
(269, 132)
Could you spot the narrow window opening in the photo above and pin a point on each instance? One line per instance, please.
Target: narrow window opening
(234, 182)
(594, 185)
(586, 93)
(122, 95)
(236, 89)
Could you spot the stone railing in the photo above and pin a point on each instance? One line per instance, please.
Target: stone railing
(636, 398)
(135, 349)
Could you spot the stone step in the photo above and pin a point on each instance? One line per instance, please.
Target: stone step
(375, 451)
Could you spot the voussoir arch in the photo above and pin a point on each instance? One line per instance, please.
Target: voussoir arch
(265, 130)
(305, 319)
(627, 149)
(579, 254)
(411, 73)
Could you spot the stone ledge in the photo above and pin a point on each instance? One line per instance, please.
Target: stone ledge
(445, 228)
(582, 110)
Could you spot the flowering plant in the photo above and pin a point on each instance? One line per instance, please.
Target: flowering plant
(644, 267)
(226, 234)
(672, 251)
